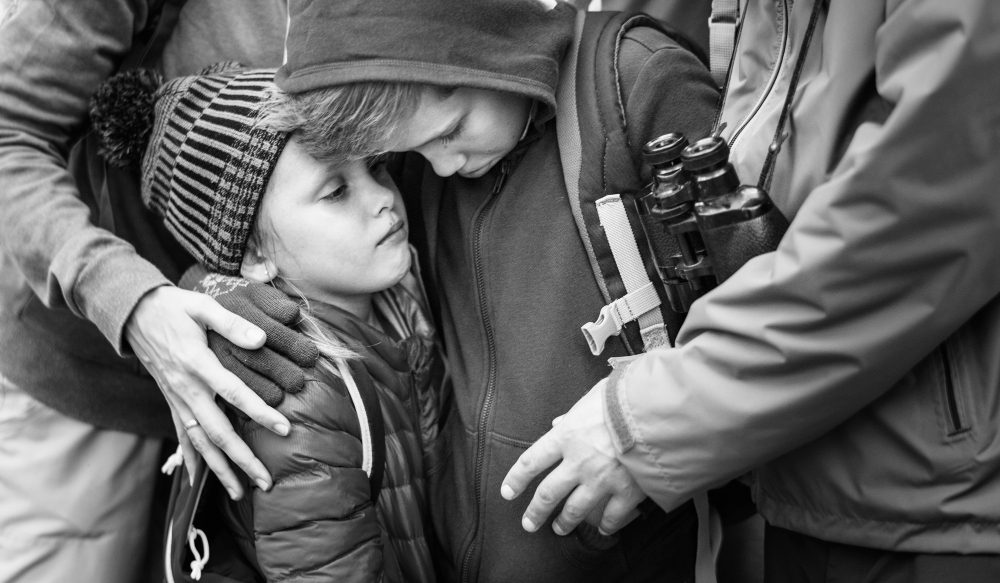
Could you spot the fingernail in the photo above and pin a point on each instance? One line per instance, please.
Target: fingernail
(558, 529)
(527, 525)
(507, 492)
(281, 428)
(233, 493)
(603, 532)
(255, 335)
(263, 485)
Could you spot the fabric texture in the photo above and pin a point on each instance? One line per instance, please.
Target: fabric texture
(209, 160)
(856, 367)
(513, 286)
(796, 558)
(504, 45)
(70, 280)
(317, 521)
(80, 521)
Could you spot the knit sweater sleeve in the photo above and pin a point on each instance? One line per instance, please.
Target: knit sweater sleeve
(54, 56)
(317, 521)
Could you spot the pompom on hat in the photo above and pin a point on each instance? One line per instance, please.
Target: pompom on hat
(208, 159)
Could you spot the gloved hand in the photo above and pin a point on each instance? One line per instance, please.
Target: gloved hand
(277, 367)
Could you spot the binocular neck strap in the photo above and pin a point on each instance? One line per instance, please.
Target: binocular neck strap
(764, 182)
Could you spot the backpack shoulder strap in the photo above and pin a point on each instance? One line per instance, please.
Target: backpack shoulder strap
(598, 170)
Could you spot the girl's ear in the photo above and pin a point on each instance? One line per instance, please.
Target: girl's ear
(256, 267)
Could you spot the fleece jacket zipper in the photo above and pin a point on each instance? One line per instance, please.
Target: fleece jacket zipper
(486, 412)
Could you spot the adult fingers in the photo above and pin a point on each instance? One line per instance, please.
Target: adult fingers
(211, 374)
(620, 510)
(236, 329)
(535, 460)
(214, 438)
(581, 502)
(188, 452)
(551, 491)
(197, 441)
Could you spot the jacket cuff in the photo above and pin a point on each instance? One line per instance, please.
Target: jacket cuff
(108, 292)
(616, 413)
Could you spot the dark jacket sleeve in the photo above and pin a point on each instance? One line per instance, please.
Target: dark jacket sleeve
(317, 522)
(53, 57)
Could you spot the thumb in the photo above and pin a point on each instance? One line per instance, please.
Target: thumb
(230, 326)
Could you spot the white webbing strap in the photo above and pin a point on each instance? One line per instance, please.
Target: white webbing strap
(641, 301)
(367, 452)
(722, 37)
(614, 316)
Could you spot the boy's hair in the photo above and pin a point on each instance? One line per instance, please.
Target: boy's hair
(347, 122)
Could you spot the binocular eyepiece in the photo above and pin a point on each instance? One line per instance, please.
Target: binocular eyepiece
(701, 223)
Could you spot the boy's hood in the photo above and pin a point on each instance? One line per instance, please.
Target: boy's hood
(503, 45)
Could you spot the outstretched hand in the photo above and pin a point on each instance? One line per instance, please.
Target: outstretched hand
(589, 476)
(167, 331)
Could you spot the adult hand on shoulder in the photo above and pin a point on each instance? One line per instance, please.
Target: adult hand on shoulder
(588, 476)
(167, 331)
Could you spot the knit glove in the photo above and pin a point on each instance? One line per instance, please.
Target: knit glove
(277, 367)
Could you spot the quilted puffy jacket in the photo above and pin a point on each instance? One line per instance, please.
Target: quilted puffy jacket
(317, 522)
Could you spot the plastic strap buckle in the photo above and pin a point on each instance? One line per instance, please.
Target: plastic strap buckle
(615, 315)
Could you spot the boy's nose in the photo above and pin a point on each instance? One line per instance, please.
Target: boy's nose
(446, 164)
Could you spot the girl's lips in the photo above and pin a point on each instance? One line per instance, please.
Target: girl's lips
(397, 227)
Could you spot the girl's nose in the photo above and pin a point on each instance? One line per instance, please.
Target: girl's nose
(384, 198)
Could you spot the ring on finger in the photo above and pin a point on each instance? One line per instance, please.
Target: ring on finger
(191, 424)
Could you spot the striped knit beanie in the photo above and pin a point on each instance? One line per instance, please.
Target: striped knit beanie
(208, 158)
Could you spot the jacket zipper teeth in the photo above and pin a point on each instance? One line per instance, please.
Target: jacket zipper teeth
(487, 410)
(954, 415)
(770, 82)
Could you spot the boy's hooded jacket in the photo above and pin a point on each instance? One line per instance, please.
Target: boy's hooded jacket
(860, 363)
(502, 253)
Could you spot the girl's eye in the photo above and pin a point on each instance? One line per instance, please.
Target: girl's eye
(336, 194)
(452, 135)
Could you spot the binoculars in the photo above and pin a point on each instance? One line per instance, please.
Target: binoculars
(701, 223)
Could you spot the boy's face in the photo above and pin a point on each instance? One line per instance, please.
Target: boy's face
(465, 132)
(334, 232)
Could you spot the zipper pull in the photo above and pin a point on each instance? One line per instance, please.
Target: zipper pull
(504, 170)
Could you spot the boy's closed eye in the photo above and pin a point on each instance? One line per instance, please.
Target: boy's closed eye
(452, 134)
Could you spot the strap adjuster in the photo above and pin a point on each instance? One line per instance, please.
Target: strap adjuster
(618, 313)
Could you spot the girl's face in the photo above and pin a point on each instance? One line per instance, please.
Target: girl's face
(465, 132)
(338, 234)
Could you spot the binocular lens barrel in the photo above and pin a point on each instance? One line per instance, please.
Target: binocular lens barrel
(701, 224)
